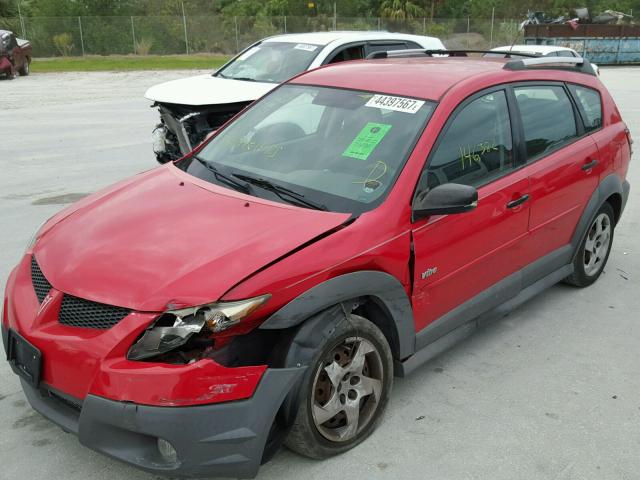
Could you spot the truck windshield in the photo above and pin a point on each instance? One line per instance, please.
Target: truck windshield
(272, 62)
(341, 149)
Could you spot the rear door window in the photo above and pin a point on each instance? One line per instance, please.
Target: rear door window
(354, 52)
(590, 106)
(565, 53)
(476, 147)
(390, 46)
(547, 118)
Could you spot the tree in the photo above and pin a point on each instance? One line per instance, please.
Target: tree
(401, 9)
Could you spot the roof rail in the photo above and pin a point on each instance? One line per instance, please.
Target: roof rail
(580, 64)
(419, 52)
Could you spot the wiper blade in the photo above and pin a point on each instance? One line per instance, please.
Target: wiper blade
(243, 79)
(284, 193)
(242, 187)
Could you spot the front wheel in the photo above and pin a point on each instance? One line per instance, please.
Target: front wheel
(344, 392)
(594, 250)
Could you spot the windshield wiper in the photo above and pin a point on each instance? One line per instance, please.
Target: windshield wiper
(240, 186)
(243, 79)
(284, 193)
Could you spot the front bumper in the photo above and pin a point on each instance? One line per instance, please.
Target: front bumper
(222, 440)
(217, 418)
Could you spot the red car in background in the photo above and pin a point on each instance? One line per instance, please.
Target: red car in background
(15, 55)
(352, 224)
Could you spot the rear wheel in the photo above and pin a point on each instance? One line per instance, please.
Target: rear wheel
(344, 392)
(594, 250)
(24, 70)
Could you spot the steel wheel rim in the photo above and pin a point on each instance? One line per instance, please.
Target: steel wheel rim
(347, 389)
(596, 245)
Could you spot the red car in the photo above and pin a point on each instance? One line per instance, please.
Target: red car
(15, 55)
(349, 226)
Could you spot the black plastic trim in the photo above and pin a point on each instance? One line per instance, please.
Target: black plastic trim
(225, 439)
(610, 185)
(479, 311)
(388, 291)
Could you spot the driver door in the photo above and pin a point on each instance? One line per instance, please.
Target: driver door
(460, 256)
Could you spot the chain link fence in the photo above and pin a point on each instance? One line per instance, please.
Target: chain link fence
(164, 35)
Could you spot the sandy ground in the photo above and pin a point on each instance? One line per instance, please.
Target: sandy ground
(550, 392)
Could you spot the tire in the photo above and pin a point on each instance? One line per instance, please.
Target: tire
(356, 350)
(594, 250)
(24, 70)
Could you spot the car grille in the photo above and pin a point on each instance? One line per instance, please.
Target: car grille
(77, 312)
(40, 283)
(74, 311)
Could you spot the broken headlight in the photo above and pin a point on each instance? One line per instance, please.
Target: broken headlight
(175, 327)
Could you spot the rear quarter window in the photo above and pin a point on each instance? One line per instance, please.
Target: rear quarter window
(589, 105)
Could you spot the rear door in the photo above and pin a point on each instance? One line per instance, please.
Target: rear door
(611, 140)
(457, 257)
(563, 165)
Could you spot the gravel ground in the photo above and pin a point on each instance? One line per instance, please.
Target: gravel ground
(550, 392)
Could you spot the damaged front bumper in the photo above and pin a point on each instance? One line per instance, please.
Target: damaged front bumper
(192, 420)
(222, 440)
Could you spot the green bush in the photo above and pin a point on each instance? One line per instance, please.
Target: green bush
(63, 43)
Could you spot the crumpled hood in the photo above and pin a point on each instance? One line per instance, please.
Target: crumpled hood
(167, 237)
(207, 90)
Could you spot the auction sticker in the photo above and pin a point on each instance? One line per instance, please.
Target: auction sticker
(306, 47)
(399, 104)
(367, 140)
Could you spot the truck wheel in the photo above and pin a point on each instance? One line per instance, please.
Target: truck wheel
(344, 392)
(24, 70)
(594, 250)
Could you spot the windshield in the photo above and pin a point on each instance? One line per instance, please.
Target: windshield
(341, 149)
(271, 62)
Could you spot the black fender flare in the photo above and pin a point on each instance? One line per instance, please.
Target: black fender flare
(608, 186)
(384, 289)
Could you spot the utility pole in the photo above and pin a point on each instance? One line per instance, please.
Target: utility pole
(133, 36)
(81, 36)
(493, 18)
(21, 21)
(184, 24)
(335, 16)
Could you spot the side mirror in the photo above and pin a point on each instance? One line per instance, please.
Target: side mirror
(444, 199)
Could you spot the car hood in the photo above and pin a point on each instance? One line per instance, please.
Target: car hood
(167, 238)
(207, 90)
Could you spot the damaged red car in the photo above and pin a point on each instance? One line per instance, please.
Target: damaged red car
(15, 55)
(347, 227)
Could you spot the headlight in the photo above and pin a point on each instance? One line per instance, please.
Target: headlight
(174, 327)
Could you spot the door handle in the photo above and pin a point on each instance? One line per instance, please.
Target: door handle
(590, 165)
(518, 201)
